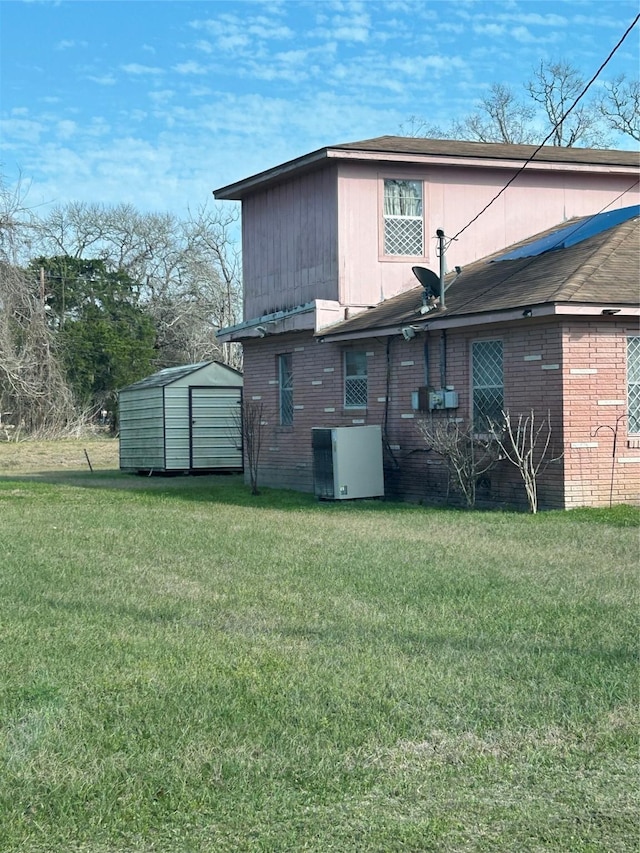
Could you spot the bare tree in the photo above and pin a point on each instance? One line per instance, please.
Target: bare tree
(500, 117)
(503, 116)
(466, 455)
(527, 445)
(620, 106)
(554, 87)
(34, 397)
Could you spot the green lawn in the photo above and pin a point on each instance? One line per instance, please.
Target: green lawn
(188, 668)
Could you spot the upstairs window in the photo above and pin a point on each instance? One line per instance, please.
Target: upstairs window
(355, 379)
(403, 218)
(633, 383)
(285, 386)
(488, 384)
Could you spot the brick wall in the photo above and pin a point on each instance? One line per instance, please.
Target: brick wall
(595, 399)
(544, 363)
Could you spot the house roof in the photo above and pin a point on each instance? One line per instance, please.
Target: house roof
(434, 151)
(171, 374)
(602, 269)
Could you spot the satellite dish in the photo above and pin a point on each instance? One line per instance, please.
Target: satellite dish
(428, 279)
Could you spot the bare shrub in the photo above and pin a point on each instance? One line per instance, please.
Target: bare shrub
(250, 424)
(467, 456)
(527, 445)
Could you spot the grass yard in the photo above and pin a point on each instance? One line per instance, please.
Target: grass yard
(186, 668)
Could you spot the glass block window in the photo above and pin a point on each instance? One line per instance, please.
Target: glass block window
(488, 383)
(633, 383)
(355, 379)
(285, 384)
(403, 218)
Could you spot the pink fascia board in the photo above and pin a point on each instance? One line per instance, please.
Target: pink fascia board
(479, 162)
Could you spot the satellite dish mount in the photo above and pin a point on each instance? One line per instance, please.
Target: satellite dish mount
(431, 288)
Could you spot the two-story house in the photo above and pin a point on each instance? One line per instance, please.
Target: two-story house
(338, 331)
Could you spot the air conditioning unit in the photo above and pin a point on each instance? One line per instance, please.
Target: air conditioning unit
(347, 462)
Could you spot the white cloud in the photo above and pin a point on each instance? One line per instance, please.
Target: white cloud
(492, 30)
(353, 28)
(102, 80)
(204, 46)
(161, 96)
(525, 36)
(25, 131)
(233, 43)
(190, 67)
(141, 70)
(67, 44)
(535, 19)
(199, 91)
(66, 129)
(232, 30)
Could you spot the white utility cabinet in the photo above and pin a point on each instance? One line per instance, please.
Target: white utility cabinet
(347, 462)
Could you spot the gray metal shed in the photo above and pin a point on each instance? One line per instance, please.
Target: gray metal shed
(182, 419)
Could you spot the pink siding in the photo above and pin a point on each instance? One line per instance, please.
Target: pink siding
(289, 244)
(453, 195)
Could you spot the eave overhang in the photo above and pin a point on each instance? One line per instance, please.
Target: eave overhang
(522, 315)
(269, 324)
(324, 156)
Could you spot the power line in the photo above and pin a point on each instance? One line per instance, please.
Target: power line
(553, 130)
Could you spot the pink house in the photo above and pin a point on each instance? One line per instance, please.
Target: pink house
(339, 332)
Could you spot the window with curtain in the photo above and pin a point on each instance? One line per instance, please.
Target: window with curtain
(355, 379)
(403, 218)
(488, 384)
(633, 383)
(285, 385)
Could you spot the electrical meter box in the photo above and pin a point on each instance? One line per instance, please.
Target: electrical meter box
(347, 462)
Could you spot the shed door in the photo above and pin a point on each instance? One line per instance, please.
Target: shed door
(216, 440)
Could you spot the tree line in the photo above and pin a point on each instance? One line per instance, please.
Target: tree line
(540, 110)
(95, 297)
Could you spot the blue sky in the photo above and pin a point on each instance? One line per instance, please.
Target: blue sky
(157, 102)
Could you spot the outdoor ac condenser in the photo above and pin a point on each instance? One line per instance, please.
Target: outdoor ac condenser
(347, 462)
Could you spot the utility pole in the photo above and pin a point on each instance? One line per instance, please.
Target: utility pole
(441, 251)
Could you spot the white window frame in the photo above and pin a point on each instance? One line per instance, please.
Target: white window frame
(353, 381)
(480, 418)
(393, 220)
(285, 389)
(633, 384)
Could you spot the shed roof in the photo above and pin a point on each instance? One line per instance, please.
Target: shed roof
(603, 268)
(434, 151)
(173, 374)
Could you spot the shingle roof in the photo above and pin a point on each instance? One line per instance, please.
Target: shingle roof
(399, 148)
(604, 268)
(493, 150)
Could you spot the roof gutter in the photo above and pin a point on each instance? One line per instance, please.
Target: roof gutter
(256, 322)
(523, 314)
